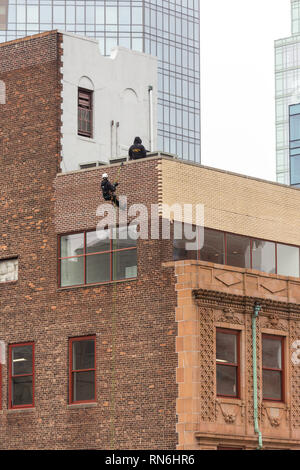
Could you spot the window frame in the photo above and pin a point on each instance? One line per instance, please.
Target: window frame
(11, 258)
(10, 348)
(225, 233)
(90, 108)
(71, 371)
(111, 251)
(237, 366)
(282, 370)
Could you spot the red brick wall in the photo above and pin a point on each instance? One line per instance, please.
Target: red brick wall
(136, 360)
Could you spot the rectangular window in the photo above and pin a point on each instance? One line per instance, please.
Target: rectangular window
(238, 251)
(227, 362)
(98, 256)
(213, 248)
(85, 113)
(82, 374)
(9, 270)
(287, 260)
(21, 375)
(263, 256)
(273, 367)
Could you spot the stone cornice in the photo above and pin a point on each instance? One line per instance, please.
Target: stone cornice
(210, 298)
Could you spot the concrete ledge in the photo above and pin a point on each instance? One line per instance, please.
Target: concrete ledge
(21, 410)
(78, 406)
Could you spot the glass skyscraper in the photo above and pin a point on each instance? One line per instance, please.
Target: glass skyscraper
(287, 79)
(168, 29)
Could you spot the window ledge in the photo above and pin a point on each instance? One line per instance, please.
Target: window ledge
(274, 404)
(19, 410)
(86, 139)
(8, 283)
(230, 400)
(108, 283)
(76, 406)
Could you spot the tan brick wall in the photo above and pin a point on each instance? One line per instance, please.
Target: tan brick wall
(234, 203)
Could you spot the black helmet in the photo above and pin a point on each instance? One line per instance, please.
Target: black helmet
(137, 140)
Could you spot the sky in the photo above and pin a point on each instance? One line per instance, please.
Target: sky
(238, 83)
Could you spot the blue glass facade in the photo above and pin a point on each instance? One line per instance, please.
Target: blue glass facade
(294, 144)
(168, 29)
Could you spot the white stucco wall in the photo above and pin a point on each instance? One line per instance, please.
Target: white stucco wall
(120, 83)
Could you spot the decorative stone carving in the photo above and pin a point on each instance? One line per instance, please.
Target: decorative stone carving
(274, 421)
(228, 315)
(207, 360)
(229, 418)
(274, 322)
(273, 285)
(228, 279)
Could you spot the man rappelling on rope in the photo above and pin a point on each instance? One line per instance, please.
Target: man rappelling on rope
(108, 190)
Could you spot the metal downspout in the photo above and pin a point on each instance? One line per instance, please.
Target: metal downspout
(256, 310)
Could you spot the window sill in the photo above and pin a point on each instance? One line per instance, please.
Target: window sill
(76, 406)
(8, 283)
(86, 139)
(229, 400)
(19, 410)
(108, 283)
(274, 404)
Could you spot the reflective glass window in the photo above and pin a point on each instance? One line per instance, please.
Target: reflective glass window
(238, 251)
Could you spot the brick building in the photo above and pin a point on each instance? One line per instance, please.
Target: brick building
(138, 344)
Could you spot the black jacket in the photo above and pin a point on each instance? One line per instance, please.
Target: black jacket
(107, 188)
(137, 150)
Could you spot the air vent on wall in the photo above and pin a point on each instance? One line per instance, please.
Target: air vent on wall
(84, 166)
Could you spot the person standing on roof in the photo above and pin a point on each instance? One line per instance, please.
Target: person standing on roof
(137, 150)
(109, 189)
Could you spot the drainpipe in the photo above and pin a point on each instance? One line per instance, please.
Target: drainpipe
(151, 131)
(256, 310)
(117, 139)
(111, 138)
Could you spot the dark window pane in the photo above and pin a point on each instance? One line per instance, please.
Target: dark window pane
(238, 251)
(263, 256)
(185, 244)
(21, 391)
(22, 360)
(226, 380)
(72, 245)
(83, 354)
(83, 386)
(125, 264)
(226, 347)
(272, 384)
(98, 268)
(213, 247)
(180, 252)
(72, 271)
(97, 241)
(271, 353)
